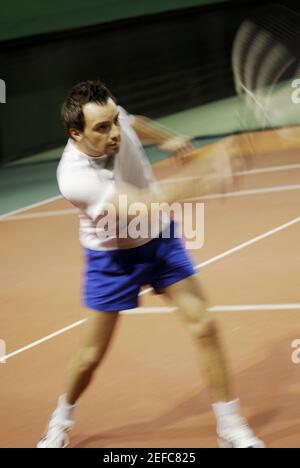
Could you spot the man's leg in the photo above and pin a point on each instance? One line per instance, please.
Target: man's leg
(233, 431)
(188, 297)
(97, 335)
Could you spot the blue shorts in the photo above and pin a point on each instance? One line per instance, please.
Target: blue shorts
(113, 278)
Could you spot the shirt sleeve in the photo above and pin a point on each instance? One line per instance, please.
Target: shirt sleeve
(125, 116)
(87, 190)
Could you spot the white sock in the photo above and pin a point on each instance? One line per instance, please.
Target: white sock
(223, 411)
(64, 409)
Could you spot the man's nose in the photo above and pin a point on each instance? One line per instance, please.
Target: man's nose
(115, 133)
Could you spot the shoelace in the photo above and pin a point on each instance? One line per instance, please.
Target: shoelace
(55, 428)
(237, 429)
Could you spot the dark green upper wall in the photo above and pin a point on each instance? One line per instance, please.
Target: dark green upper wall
(19, 18)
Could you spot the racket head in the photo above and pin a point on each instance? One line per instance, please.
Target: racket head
(266, 63)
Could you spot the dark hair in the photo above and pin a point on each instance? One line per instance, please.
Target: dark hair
(81, 94)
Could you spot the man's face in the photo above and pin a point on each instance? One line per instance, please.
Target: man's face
(101, 134)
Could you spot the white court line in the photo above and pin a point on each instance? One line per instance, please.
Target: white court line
(214, 196)
(263, 170)
(246, 193)
(249, 242)
(239, 247)
(42, 340)
(255, 308)
(267, 170)
(30, 207)
(162, 310)
(41, 214)
(146, 291)
(217, 309)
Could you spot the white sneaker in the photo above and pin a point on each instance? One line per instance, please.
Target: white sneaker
(56, 435)
(238, 435)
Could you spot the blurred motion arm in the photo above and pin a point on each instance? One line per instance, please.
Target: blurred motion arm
(152, 132)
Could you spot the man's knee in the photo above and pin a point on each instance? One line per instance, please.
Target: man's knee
(88, 359)
(204, 329)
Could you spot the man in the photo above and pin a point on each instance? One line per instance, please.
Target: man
(104, 161)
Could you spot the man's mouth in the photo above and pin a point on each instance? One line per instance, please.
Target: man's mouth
(114, 146)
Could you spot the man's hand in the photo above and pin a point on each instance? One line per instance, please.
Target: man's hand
(179, 146)
(175, 144)
(166, 140)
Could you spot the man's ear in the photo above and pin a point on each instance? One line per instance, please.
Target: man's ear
(75, 134)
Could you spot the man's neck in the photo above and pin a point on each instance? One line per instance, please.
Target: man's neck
(87, 151)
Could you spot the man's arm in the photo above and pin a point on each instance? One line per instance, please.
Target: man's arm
(169, 193)
(152, 132)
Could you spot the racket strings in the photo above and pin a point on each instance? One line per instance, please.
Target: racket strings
(265, 61)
